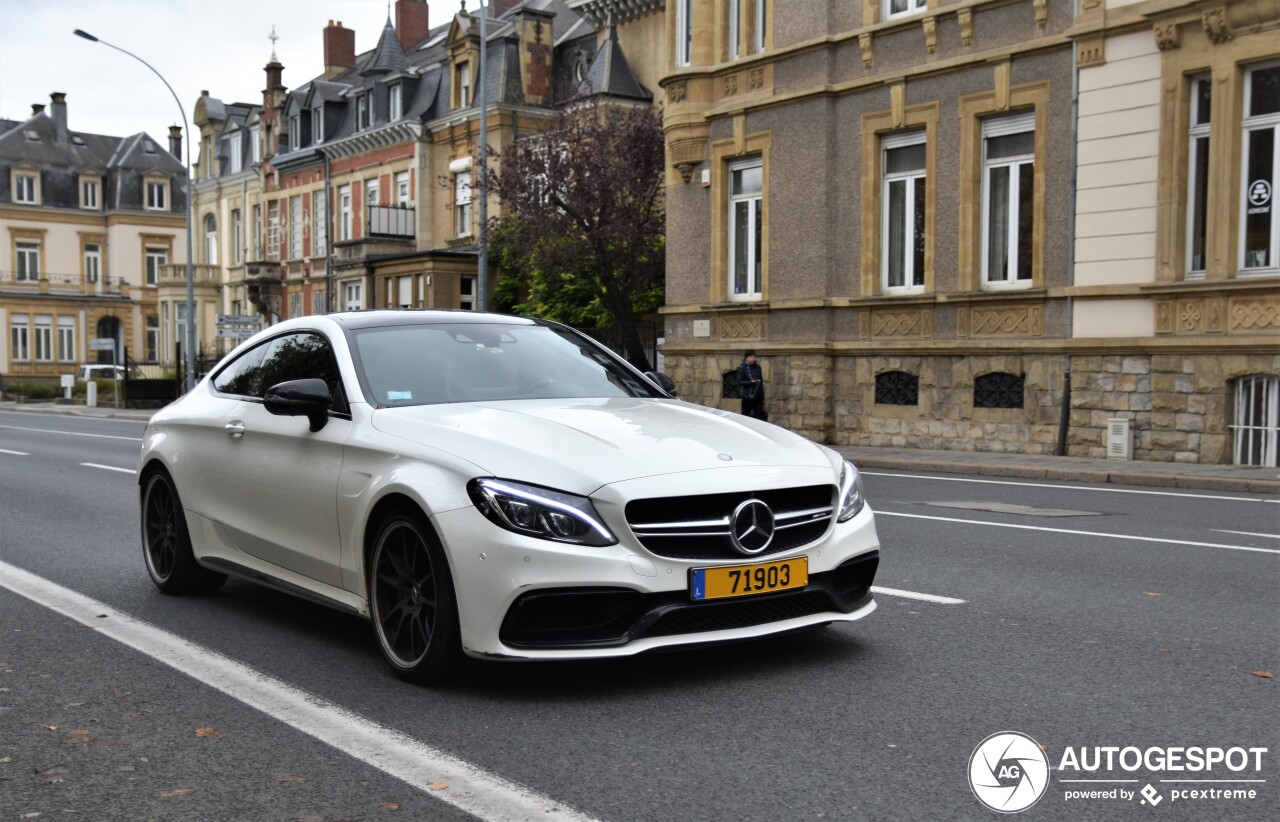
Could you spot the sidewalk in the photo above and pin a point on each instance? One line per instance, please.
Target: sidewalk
(1021, 466)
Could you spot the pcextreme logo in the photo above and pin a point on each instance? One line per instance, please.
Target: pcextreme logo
(1009, 772)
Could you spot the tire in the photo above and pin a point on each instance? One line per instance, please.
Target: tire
(412, 603)
(166, 543)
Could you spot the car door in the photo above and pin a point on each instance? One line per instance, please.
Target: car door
(277, 494)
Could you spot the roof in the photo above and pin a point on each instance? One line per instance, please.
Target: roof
(388, 56)
(610, 74)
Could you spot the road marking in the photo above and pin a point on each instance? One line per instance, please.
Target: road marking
(474, 790)
(1063, 487)
(109, 468)
(880, 513)
(71, 433)
(1247, 533)
(894, 592)
(15, 453)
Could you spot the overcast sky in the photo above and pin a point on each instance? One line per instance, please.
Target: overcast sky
(219, 45)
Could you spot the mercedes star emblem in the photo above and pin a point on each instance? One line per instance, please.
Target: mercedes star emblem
(751, 527)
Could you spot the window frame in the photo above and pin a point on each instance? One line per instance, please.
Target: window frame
(684, 33)
(464, 84)
(155, 195)
(1197, 132)
(90, 193)
(317, 125)
(24, 253)
(234, 149)
(237, 236)
(395, 102)
(755, 229)
(295, 227)
(91, 264)
(161, 257)
(1007, 126)
(1264, 397)
(356, 304)
(404, 196)
(462, 198)
(893, 142)
(42, 338)
(20, 337)
(345, 216)
(65, 338)
(1251, 124)
(914, 7)
(30, 192)
(210, 226)
(320, 222)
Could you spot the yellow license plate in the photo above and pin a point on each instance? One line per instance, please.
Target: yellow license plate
(746, 580)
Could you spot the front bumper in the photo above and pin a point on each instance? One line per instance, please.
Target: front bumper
(526, 598)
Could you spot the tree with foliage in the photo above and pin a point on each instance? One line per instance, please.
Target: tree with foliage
(581, 239)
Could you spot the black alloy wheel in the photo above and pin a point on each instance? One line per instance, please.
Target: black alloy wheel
(412, 603)
(166, 543)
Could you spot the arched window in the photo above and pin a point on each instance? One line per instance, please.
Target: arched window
(897, 388)
(210, 240)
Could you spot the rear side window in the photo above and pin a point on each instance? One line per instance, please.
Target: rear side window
(291, 357)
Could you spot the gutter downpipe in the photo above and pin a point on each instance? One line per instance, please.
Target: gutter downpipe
(331, 301)
(1064, 419)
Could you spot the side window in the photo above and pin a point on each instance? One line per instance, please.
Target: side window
(291, 357)
(240, 377)
(300, 357)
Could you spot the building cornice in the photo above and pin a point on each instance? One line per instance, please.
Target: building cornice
(366, 141)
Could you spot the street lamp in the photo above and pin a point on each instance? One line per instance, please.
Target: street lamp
(189, 379)
(482, 264)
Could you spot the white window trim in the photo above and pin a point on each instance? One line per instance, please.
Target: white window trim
(462, 197)
(1264, 390)
(32, 250)
(403, 197)
(887, 144)
(93, 184)
(464, 85)
(92, 254)
(319, 222)
(345, 226)
(317, 125)
(1252, 123)
(255, 146)
(684, 43)
(352, 297)
(160, 186)
(395, 102)
(65, 341)
(295, 131)
(914, 7)
(757, 41)
(735, 28)
(295, 227)
(237, 236)
(34, 177)
(161, 256)
(20, 337)
(233, 153)
(210, 239)
(1002, 127)
(1196, 133)
(756, 293)
(42, 338)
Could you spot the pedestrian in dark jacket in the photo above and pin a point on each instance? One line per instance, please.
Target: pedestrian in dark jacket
(751, 387)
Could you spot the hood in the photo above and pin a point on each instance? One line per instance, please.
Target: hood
(580, 445)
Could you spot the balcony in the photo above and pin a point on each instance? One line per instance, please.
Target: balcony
(63, 285)
(176, 274)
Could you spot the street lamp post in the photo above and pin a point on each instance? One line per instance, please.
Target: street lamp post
(190, 343)
(482, 264)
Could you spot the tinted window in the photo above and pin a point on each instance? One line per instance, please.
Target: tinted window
(291, 357)
(456, 362)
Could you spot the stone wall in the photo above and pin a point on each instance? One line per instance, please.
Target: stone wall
(1180, 404)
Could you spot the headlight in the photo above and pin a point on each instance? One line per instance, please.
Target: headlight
(539, 512)
(851, 500)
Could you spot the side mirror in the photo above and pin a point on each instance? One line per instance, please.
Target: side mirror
(662, 381)
(300, 398)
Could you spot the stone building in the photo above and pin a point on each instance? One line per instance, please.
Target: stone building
(87, 224)
(924, 215)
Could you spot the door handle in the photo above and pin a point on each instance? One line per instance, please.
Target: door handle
(235, 428)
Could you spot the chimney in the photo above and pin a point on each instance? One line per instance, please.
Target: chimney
(411, 23)
(59, 101)
(499, 7)
(340, 48)
(536, 54)
(272, 102)
(37, 108)
(175, 142)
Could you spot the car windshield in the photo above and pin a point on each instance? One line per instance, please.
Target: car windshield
(426, 364)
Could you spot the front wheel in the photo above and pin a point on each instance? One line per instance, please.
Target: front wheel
(411, 601)
(166, 543)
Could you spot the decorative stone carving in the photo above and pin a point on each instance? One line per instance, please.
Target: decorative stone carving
(685, 154)
(1042, 12)
(930, 34)
(756, 79)
(731, 85)
(1007, 321)
(1215, 315)
(1164, 316)
(742, 328)
(1216, 25)
(1091, 52)
(1189, 315)
(1254, 315)
(901, 323)
(678, 92)
(1167, 36)
(868, 56)
(965, 17)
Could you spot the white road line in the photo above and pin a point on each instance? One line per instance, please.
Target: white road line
(474, 790)
(15, 453)
(1246, 533)
(880, 513)
(109, 468)
(71, 433)
(1062, 487)
(894, 592)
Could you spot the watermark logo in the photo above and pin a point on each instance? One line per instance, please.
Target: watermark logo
(1150, 796)
(1008, 772)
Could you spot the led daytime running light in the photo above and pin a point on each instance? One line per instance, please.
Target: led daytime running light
(493, 487)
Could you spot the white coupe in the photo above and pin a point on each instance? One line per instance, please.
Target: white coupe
(498, 487)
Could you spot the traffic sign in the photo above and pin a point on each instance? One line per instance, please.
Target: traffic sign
(239, 319)
(102, 344)
(237, 332)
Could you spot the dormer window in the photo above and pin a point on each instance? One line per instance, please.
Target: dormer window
(233, 150)
(362, 112)
(90, 193)
(26, 188)
(396, 104)
(464, 85)
(255, 146)
(157, 195)
(317, 125)
(295, 131)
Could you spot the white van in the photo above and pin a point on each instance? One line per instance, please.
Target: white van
(101, 372)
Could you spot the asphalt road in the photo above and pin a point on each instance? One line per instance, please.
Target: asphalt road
(1136, 617)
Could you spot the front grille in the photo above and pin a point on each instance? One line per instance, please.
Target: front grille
(610, 617)
(698, 527)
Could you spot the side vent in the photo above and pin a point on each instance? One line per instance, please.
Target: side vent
(1119, 439)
